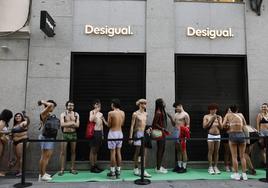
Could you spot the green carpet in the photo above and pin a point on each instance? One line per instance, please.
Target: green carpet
(127, 175)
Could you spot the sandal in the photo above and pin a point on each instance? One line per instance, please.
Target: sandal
(73, 172)
(60, 173)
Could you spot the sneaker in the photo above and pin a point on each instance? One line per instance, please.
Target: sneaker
(117, 174)
(227, 168)
(18, 174)
(211, 170)
(60, 173)
(216, 170)
(48, 175)
(94, 169)
(98, 168)
(45, 178)
(111, 175)
(146, 174)
(176, 168)
(182, 170)
(162, 170)
(235, 176)
(136, 172)
(244, 176)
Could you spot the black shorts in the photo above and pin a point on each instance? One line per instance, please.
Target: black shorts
(225, 135)
(237, 137)
(96, 141)
(15, 143)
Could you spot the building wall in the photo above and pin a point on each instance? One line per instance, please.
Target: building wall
(158, 31)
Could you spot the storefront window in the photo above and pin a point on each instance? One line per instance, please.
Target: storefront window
(212, 1)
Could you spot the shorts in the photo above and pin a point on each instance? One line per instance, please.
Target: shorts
(214, 138)
(96, 140)
(264, 132)
(46, 145)
(237, 137)
(15, 143)
(138, 134)
(115, 135)
(176, 135)
(69, 136)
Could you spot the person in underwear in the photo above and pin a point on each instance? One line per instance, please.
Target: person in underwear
(235, 122)
(212, 122)
(69, 122)
(116, 119)
(137, 130)
(96, 116)
(262, 128)
(227, 153)
(19, 134)
(5, 117)
(181, 123)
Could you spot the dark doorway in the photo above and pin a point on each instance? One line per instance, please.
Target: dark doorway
(201, 80)
(106, 76)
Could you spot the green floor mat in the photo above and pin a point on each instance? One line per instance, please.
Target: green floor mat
(127, 175)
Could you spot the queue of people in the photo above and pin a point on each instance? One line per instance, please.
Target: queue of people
(231, 127)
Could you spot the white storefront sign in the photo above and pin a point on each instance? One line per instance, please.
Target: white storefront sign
(108, 31)
(210, 33)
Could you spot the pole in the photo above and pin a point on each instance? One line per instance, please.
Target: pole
(23, 183)
(142, 181)
(266, 166)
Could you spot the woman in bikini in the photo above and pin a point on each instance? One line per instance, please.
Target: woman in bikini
(235, 121)
(262, 128)
(19, 134)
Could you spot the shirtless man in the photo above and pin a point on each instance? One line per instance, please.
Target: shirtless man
(116, 119)
(69, 121)
(235, 121)
(213, 124)
(181, 119)
(138, 124)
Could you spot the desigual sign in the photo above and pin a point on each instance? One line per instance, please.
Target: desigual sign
(108, 31)
(210, 33)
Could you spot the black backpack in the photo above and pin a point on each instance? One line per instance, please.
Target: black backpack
(51, 126)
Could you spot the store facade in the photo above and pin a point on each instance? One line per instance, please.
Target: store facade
(192, 52)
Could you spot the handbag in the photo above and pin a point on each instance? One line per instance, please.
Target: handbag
(156, 134)
(90, 130)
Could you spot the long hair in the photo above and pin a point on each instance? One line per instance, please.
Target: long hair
(6, 116)
(15, 122)
(159, 105)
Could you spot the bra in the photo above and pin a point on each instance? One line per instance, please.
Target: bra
(263, 120)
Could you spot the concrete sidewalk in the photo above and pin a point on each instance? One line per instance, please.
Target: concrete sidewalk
(9, 182)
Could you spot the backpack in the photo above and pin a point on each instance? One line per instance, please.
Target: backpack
(51, 126)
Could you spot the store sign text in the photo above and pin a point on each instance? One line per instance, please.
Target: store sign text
(210, 33)
(108, 31)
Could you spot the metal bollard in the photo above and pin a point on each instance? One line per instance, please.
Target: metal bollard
(23, 183)
(142, 181)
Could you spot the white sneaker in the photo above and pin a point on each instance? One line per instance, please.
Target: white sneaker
(136, 172)
(235, 176)
(211, 170)
(162, 170)
(227, 168)
(146, 174)
(244, 176)
(39, 177)
(216, 170)
(45, 178)
(48, 175)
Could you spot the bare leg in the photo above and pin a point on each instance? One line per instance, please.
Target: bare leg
(233, 148)
(119, 157)
(226, 154)
(2, 147)
(136, 155)
(112, 157)
(18, 153)
(210, 152)
(63, 155)
(216, 152)
(73, 154)
(242, 148)
(160, 153)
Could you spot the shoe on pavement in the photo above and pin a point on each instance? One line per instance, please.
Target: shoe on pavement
(211, 170)
(146, 174)
(244, 176)
(162, 170)
(235, 176)
(182, 170)
(111, 175)
(117, 174)
(45, 178)
(216, 170)
(46, 174)
(227, 168)
(136, 172)
(94, 169)
(176, 168)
